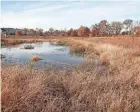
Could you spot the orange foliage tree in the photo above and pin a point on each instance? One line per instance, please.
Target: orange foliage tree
(137, 31)
(83, 31)
(69, 32)
(18, 33)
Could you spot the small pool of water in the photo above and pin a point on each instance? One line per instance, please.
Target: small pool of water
(49, 54)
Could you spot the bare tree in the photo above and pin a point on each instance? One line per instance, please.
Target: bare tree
(127, 25)
(116, 27)
(51, 30)
(104, 28)
(39, 31)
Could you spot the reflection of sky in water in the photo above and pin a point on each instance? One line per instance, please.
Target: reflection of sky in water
(39, 48)
(47, 52)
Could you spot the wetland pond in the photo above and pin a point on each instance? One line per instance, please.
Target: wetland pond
(49, 55)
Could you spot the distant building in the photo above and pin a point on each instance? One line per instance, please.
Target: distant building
(11, 31)
(3, 32)
(8, 31)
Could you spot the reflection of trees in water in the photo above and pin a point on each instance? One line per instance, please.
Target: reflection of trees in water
(62, 49)
(37, 44)
(74, 53)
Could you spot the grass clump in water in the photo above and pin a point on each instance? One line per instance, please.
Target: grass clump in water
(2, 56)
(77, 49)
(62, 42)
(35, 58)
(28, 47)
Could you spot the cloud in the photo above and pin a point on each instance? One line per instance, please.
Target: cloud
(68, 14)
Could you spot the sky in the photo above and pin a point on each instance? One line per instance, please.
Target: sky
(65, 14)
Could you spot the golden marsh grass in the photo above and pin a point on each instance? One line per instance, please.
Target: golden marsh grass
(113, 85)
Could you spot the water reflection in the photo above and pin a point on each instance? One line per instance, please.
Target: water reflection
(48, 53)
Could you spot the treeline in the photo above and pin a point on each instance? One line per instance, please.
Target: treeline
(103, 28)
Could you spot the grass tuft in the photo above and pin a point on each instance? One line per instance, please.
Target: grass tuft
(28, 47)
(35, 58)
(62, 43)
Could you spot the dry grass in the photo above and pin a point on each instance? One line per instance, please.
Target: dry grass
(14, 40)
(11, 42)
(35, 58)
(77, 49)
(111, 85)
(128, 42)
(7, 42)
(88, 88)
(62, 42)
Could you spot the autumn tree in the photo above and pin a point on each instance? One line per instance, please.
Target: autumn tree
(95, 30)
(18, 33)
(137, 31)
(83, 31)
(69, 32)
(135, 28)
(103, 28)
(74, 33)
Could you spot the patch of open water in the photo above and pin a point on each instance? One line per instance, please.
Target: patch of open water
(48, 53)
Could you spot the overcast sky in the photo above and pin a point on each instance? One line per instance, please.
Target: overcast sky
(60, 14)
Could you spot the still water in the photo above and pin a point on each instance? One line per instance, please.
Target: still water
(48, 53)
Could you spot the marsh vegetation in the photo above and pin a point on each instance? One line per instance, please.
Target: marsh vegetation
(111, 84)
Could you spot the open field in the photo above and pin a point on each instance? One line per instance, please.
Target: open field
(111, 85)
